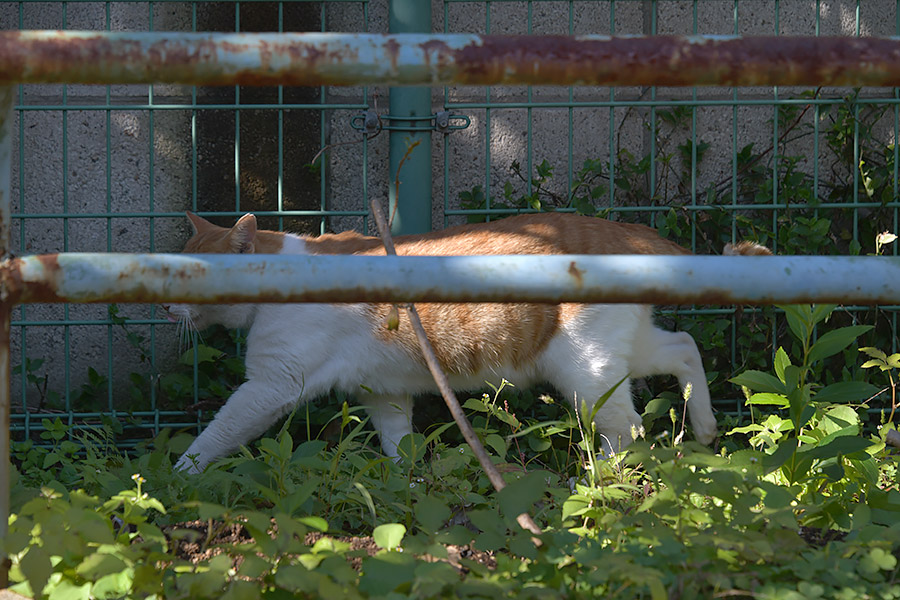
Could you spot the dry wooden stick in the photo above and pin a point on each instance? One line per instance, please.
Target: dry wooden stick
(443, 384)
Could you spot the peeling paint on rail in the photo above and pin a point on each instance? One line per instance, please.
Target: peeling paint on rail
(419, 59)
(213, 278)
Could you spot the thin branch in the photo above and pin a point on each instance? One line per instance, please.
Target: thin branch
(406, 154)
(524, 520)
(781, 140)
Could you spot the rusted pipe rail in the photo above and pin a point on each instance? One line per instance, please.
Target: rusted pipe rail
(419, 59)
(74, 277)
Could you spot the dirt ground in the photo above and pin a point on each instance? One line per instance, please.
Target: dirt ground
(197, 548)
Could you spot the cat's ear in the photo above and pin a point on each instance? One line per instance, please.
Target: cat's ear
(199, 223)
(242, 234)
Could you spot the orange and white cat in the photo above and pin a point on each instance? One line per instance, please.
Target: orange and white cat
(299, 351)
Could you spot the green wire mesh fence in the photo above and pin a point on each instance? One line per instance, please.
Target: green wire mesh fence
(112, 168)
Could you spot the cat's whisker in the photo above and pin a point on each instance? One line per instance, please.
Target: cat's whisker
(185, 331)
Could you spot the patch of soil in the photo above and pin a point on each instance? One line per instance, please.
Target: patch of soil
(194, 542)
(818, 537)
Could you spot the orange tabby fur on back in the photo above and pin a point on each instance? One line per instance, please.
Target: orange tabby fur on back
(583, 350)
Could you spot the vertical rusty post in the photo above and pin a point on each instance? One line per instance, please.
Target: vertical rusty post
(6, 145)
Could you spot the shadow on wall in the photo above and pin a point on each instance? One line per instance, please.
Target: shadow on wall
(238, 150)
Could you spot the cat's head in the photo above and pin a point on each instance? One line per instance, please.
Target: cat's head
(212, 239)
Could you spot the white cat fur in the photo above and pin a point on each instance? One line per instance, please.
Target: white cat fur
(300, 351)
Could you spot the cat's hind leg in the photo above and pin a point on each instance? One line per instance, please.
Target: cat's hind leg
(659, 352)
(587, 359)
(391, 416)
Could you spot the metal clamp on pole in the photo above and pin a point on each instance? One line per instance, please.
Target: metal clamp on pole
(443, 122)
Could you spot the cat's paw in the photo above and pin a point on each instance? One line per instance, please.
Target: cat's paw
(705, 430)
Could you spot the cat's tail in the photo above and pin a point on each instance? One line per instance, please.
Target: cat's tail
(745, 249)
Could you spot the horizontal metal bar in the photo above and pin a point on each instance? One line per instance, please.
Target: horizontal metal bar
(100, 106)
(220, 278)
(423, 59)
(622, 101)
(237, 213)
(662, 103)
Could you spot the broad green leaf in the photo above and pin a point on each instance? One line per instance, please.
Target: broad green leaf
(389, 535)
(300, 494)
(114, 585)
(839, 446)
(839, 418)
(758, 381)
(317, 523)
(574, 506)
(487, 521)
(781, 361)
(779, 400)
(253, 566)
(285, 446)
(497, 444)
(97, 565)
(204, 354)
(519, 495)
(752, 428)
(384, 573)
(241, 590)
(476, 404)
(799, 317)
(431, 513)
(874, 363)
(781, 455)
(799, 402)
(821, 312)
(792, 375)
(657, 589)
(36, 567)
(806, 414)
(862, 516)
(874, 353)
(66, 589)
(884, 559)
(876, 560)
(656, 407)
(846, 392)
(508, 418)
(835, 341)
(412, 447)
(296, 578)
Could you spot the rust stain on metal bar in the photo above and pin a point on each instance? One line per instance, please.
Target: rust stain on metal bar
(539, 279)
(678, 61)
(417, 59)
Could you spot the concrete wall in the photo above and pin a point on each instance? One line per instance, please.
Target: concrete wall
(85, 175)
(503, 133)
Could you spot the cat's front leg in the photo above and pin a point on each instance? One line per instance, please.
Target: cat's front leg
(391, 416)
(252, 409)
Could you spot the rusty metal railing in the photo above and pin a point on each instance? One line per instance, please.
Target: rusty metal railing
(338, 59)
(83, 278)
(465, 59)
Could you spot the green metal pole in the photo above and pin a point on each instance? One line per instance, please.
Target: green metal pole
(413, 215)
